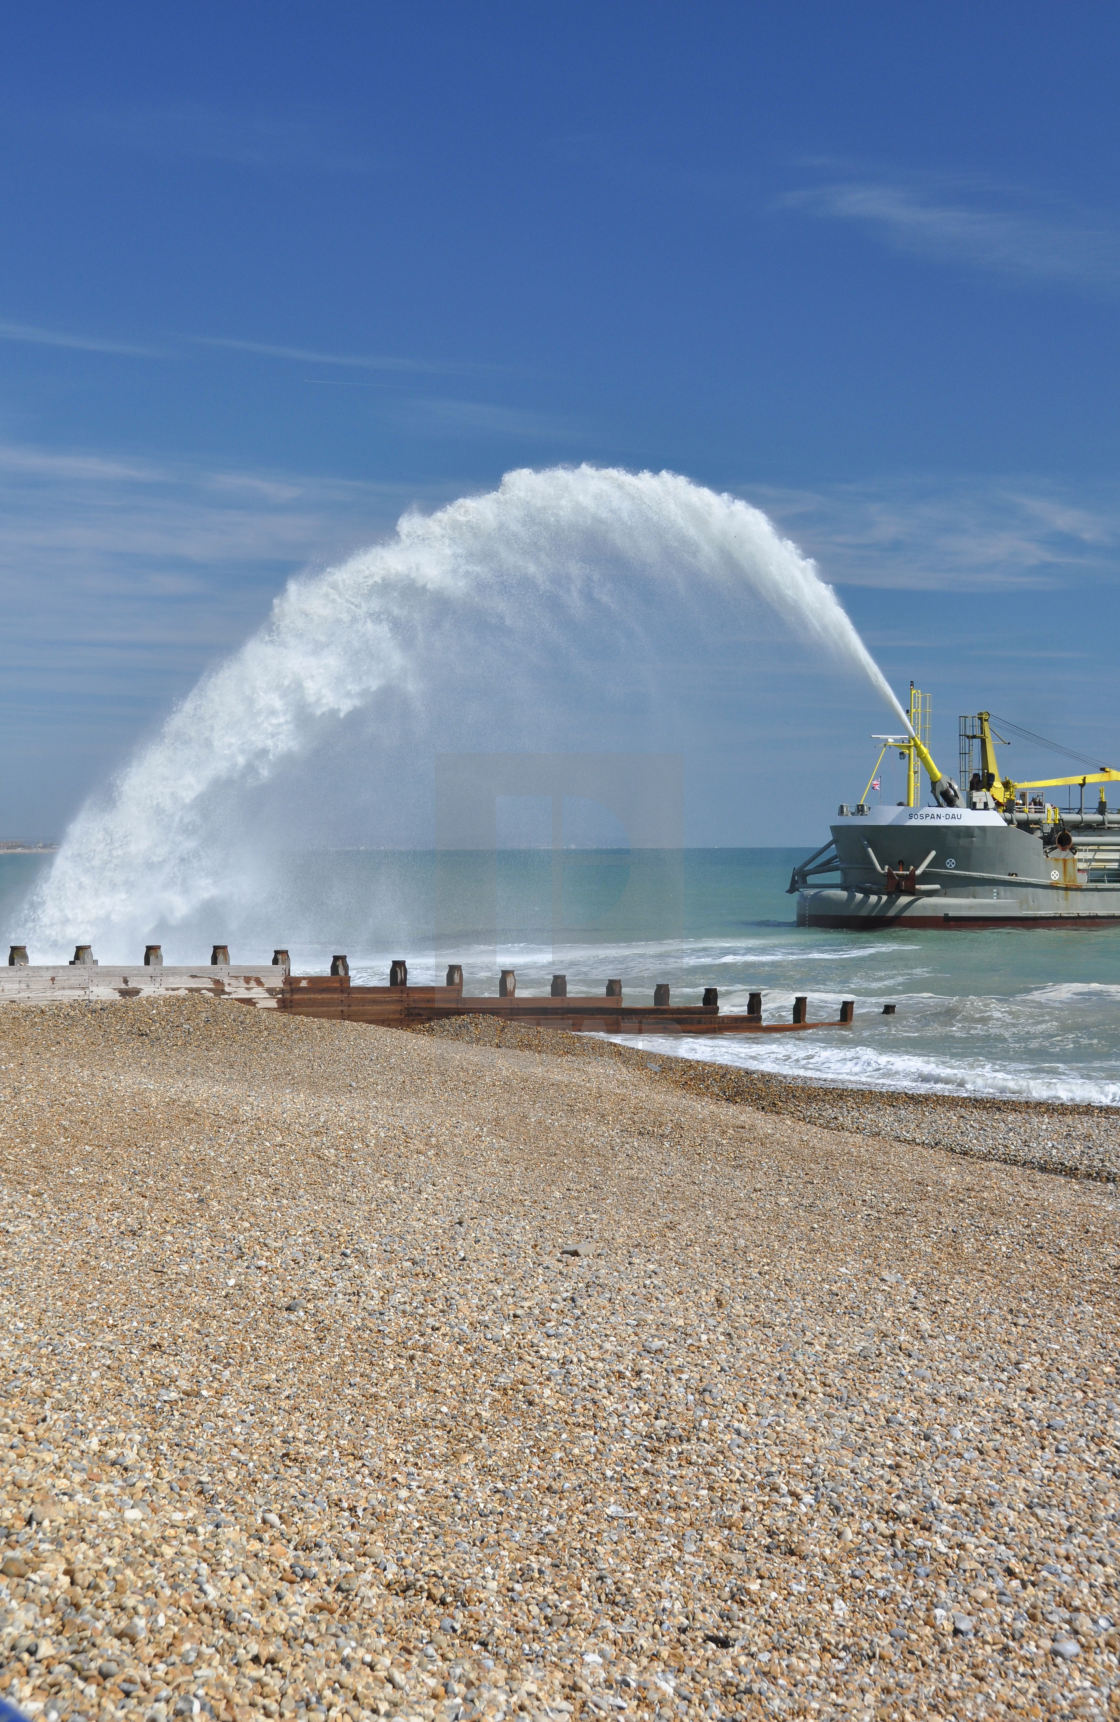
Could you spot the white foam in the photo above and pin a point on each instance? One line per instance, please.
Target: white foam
(869, 1067)
(1075, 992)
(806, 954)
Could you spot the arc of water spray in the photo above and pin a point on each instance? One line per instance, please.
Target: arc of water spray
(556, 546)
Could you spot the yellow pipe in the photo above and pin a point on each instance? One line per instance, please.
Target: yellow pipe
(927, 760)
(948, 791)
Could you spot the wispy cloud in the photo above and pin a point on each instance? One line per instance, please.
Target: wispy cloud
(994, 229)
(112, 565)
(32, 334)
(945, 535)
(455, 418)
(42, 463)
(122, 580)
(388, 362)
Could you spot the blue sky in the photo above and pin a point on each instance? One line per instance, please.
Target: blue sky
(272, 274)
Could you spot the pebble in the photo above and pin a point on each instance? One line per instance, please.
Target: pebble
(357, 1435)
(1078, 1141)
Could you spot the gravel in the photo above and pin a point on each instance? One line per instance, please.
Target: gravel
(1076, 1140)
(311, 1407)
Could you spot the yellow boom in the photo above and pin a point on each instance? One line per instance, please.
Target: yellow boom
(1105, 775)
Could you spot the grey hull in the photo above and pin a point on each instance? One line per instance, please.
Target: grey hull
(958, 869)
(825, 907)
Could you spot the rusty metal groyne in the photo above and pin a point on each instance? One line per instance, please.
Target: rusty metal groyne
(398, 1005)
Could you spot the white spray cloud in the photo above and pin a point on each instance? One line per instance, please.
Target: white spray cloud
(517, 574)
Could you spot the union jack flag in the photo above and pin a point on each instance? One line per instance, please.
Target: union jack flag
(876, 783)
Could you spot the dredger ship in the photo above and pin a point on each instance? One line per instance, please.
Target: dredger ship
(997, 853)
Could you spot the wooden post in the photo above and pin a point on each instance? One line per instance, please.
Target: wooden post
(454, 976)
(754, 1004)
(889, 1010)
(711, 998)
(559, 988)
(281, 960)
(800, 1010)
(17, 957)
(661, 993)
(614, 989)
(847, 1010)
(398, 973)
(340, 965)
(83, 957)
(219, 957)
(507, 984)
(153, 956)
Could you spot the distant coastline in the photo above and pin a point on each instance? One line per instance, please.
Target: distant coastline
(16, 846)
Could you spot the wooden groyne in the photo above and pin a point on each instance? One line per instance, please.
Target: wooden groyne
(399, 1004)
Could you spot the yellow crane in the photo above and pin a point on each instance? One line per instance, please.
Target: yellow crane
(914, 749)
(1005, 790)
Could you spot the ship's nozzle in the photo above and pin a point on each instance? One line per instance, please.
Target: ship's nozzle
(944, 789)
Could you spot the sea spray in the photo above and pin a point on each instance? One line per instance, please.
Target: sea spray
(518, 570)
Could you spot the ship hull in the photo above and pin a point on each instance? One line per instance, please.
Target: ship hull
(849, 911)
(956, 869)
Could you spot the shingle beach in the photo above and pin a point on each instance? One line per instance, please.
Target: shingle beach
(466, 1374)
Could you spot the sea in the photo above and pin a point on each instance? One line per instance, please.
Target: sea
(1017, 1013)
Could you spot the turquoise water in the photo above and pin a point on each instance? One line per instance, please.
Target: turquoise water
(1015, 1013)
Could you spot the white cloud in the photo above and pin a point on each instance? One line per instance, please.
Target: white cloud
(390, 364)
(944, 535)
(106, 562)
(482, 418)
(30, 334)
(41, 463)
(1001, 234)
(349, 361)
